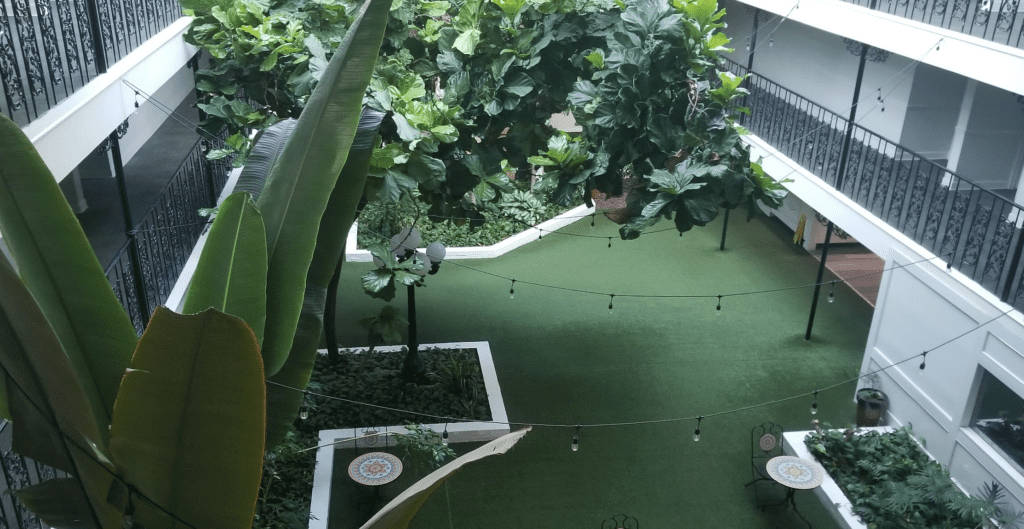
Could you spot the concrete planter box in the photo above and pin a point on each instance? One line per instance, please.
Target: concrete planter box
(829, 493)
(352, 254)
(461, 432)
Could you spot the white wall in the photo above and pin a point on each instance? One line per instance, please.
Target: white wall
(817, 65)
(68, 132)
(993, 150)
(919, 308)
(932, 112)
(148, 117)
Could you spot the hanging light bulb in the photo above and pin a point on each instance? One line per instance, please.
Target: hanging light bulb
(136, 99)
(512, 291)
(718, 309)
(883, 105)
(541, 236)
(592, 216)
(832, 293)
(304, 408)
(444, 435)
(923, 357)
(696, 431)
(748, 43)
(879, 93)
(814, 405)
(771, 41)
(609, 242)
(949, 265)
(576, 439)
(611, 299)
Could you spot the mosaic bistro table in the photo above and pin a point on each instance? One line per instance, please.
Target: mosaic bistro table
(795, 474)
(375, 469)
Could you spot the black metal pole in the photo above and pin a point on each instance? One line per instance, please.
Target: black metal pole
(843, 159)
(853, 117)
(92, 11)
(753, 42)
(821, 274)
(725, 227)
(412, 368)
(129, 227)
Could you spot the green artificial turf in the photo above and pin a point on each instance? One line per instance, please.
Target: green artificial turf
(562, 358)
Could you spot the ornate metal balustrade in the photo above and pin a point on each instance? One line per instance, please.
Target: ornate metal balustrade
(996, 20)
(18, 473)
(973, 229)
(50, 48)
(166, 235)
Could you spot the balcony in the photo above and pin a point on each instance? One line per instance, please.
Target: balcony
(971, 228)
(998, 21)
(50, 49)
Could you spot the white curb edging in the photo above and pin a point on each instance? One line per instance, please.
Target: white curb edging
(463, 432)
(354, 255)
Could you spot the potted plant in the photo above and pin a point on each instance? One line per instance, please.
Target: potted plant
(871, 406)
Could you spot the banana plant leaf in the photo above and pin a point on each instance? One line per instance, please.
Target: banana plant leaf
(189, 421)
(60, 269)
(283, 404)
(399, 512)
(45, 395)
(232, 269)
(302, 178)
(58, 503)
(265, 152)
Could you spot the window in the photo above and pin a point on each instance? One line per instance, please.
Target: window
(999, 418)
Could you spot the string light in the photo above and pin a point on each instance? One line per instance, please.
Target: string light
(136, 99)
(771, 41)
(949, 265)
(924, 356)
(592, 216)
(718, 309)
(696, 431)
(512, 291)
(609, 242)
(814, 405)
(611, 299)
(879, 93)
(832, 293)
(576, 439)
(444, 435)
(541, 235)
(748, 43)
(883, 105)
(304, 408)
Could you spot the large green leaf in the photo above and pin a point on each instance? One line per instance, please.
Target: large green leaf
(265, 152)
(232, 271)
(60, 269)
(44, 395)
(58, 503)
(301, 180)
(189, 421)
(283, 404)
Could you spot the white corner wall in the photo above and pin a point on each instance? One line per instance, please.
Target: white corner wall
(919, 307)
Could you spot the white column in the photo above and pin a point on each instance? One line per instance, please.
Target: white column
(957, 145)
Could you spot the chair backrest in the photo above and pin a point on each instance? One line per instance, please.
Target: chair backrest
(765, 441)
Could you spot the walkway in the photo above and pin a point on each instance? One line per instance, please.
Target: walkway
(562, 358)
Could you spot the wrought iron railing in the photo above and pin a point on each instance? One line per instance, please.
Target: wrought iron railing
(49, 48)
(166, 235)
(996, 20)
(19, 472)
(970, 227)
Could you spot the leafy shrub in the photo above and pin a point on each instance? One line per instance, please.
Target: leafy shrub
(423, 448)
(893, 484)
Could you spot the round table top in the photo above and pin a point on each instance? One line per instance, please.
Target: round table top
(796, 473)
(375, 468)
